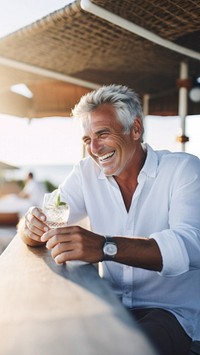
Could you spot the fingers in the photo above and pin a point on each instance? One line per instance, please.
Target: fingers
(34, 224)
(63, 252)
(55, 233)
(64, 247)
(73, 243)
(35, 213)
(64, 243)
(65, 256)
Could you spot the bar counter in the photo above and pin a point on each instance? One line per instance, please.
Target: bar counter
(49, 309)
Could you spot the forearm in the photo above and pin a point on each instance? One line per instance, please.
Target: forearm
(23, 194)
(21, 230)
(139, 252)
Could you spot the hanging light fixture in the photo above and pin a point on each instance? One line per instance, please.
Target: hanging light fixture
(194, 93)
(22, 89)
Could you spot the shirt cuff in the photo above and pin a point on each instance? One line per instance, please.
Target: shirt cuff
(174, 254)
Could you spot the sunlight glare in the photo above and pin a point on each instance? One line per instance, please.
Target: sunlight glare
(39, 141)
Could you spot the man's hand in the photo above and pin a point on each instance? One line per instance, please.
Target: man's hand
(32, 226)
(73, 243)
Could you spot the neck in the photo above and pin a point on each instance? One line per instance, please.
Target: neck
(127, 181)
(132, 171)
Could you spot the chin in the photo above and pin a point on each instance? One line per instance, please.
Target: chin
(110, 172)
(107, 172)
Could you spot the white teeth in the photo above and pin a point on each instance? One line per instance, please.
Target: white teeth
(106, 156)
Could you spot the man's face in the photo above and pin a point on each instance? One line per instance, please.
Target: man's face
(106, 142)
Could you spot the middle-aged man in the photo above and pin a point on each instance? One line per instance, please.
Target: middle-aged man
(144, 210)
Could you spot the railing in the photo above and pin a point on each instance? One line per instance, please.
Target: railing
(46, 309)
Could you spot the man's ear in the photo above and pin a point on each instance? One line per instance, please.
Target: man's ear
(137, 128)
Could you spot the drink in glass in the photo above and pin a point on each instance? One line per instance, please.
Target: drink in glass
(56, 211)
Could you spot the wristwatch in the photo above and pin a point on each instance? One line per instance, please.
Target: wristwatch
(109, 248)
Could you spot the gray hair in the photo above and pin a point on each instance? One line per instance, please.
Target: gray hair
(123, 99)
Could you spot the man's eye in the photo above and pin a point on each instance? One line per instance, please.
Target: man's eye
(86, 141)
(103, 135)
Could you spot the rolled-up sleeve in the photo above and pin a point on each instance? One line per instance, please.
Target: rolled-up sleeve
(180, 244)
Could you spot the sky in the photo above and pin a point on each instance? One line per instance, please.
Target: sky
(16, 14)
(55, 140)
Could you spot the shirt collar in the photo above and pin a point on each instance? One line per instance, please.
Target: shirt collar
(150, 166)
(151, 163)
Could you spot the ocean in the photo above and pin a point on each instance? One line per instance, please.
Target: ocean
(53, 173)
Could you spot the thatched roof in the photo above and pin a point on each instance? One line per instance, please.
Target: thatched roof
(72, 44)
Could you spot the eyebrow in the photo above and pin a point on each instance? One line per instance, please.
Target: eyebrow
(85, 137)
(103, 130)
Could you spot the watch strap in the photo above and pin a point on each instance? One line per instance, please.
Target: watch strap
(108, 240)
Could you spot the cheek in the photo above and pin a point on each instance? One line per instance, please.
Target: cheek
(115, 141)
(123, 145)
(88, 150)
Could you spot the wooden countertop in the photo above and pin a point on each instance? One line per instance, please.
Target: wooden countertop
(46, 309)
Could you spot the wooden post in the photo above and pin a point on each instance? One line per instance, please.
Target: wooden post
(183, 84)
(146, 98)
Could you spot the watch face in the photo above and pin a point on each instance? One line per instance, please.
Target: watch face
(110, 249)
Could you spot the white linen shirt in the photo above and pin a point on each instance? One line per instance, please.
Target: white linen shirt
(166, 207)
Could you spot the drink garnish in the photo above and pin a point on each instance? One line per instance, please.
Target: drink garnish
(58, 201)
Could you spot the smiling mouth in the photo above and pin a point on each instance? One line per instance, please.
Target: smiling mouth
(106, 156)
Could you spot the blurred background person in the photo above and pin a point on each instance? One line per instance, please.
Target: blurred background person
(32, 194)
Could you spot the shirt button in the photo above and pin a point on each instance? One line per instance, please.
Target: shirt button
(127, 267)
(127, 291)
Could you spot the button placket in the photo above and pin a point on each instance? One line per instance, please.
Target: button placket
(128, 280)
(131, 217)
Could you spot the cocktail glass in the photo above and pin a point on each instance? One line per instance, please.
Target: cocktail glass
(56, 212)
